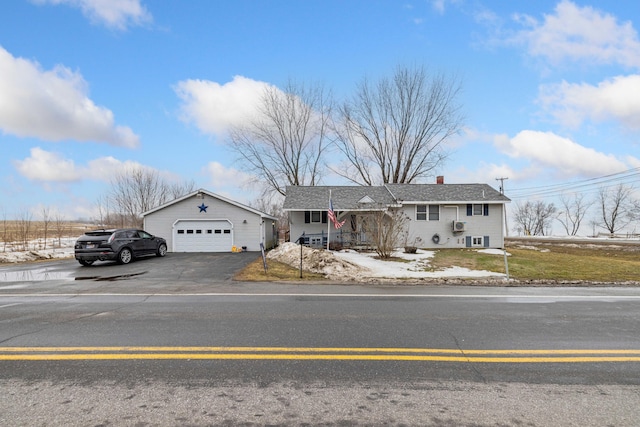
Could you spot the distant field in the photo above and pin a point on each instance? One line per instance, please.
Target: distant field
(29, 235)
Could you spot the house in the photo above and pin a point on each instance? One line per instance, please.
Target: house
(435, 215)
(206, 222)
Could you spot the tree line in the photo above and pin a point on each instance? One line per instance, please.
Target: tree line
(611, 210)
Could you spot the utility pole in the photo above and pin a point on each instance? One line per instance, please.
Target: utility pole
(506, 226)
(501, 184)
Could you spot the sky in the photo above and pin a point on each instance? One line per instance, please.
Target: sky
(550, 89)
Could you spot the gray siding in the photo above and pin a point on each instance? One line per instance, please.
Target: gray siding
(490, 225)
(249, 233)
(487, 227)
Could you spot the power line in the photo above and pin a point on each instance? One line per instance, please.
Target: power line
(629, 176)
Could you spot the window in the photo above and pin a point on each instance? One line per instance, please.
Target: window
(209, 231)
(227, 231)
(477, 209)
(427, 212)
(476, 241)
(434, 213)
(189, 231)
(218, 231)
(180, 231)
(315, 216)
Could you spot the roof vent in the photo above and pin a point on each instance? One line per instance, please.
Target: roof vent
(440, 179)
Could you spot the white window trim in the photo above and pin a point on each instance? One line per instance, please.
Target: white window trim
(426, 212)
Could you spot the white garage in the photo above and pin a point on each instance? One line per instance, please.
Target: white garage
(206, 222)
(202, 236)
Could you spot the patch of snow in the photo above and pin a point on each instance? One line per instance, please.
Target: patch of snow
(493, 252)
(359, 266)
(53, 251)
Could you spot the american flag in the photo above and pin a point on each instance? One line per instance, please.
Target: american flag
(332, 216)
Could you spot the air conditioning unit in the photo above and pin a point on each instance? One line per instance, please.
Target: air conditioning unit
(458, 226)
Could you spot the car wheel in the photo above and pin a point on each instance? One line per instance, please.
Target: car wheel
(125, 256)
(85, 262)
(162, 250)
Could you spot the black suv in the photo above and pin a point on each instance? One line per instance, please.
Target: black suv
(122, 245)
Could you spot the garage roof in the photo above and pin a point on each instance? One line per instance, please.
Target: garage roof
(216, 196)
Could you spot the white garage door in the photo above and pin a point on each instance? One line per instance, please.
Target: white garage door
(202, 236)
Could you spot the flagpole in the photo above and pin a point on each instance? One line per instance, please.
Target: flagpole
(328, 222)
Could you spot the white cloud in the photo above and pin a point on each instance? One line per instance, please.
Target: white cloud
(215, 108)
(116, 14)
(571, 104)
(565, 157)
(580, 34)
(48, 167)
(53, 105)
(221, 176)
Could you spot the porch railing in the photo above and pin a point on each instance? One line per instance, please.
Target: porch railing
(345, 239)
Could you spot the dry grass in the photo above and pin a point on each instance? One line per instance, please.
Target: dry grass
(276, 271)
(11, 230)
(555, 262)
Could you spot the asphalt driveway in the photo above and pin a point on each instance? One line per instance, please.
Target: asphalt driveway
(177, 272)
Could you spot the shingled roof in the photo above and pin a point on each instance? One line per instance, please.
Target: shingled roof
(355, 197)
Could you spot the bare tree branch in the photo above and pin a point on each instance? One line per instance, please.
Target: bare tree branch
(573, 212)
(616, 207)
(284, 144)
(534, 217)
(395, 131)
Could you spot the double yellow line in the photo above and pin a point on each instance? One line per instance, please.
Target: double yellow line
(317, 353)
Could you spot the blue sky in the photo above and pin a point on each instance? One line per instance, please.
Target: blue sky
(551, 89)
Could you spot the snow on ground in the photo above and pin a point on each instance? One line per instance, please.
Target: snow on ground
(12, 253)
(359, 266)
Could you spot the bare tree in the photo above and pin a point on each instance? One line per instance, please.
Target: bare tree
(137, 190)
(616, 207)
(60, 226)
(395, 131)
(534, 218)
(284, 143)
(4, 233)
(45, 213)
(573, 212)
(386, 228)
(23, 228)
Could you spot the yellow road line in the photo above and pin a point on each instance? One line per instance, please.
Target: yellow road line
(316, 350)
(319, 353)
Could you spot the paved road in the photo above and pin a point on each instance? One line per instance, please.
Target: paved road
(142, 350)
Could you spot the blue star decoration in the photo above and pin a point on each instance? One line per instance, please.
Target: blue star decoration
(203, 208)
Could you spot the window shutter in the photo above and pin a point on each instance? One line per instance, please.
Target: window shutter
(469, 209)
(324, 217)
(468, 241)
(486, 241)
(486, 210)
(307, 217)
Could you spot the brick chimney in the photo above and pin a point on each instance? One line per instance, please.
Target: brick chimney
(440, 179)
